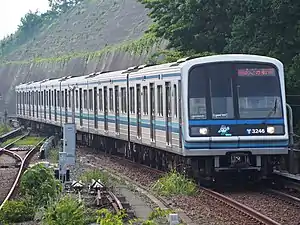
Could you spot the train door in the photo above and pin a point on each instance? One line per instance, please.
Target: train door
(33, 99)
(73, 105)
(168, 114)
(138, 109)
(45, 98)
(95, 108)
(37, 104)
(117, 111)
(50, 103)
(66, 105)
(179, 114)
(105, 110)
(152, 112)
(80, 106)
(55, 105)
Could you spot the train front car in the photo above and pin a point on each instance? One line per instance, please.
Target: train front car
(234, 115)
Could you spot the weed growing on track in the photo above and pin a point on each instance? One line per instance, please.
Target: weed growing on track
(174, 183)
(7, 142)
(4, 129)
(53, 155)
(29, 141)
(95, 174)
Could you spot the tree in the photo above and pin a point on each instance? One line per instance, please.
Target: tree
(191, 25)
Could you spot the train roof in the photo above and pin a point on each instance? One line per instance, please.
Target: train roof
(145, 70)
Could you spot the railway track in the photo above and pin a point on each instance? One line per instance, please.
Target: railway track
(13, 163)
(97, 195)
(145, 175)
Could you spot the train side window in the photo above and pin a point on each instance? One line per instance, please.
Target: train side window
(50, 103)
(91, 99)
(47, 99)
(132, 101)
(42, 98)
(175, 101)
(58, 98)
(66, 98)
(85, 99)
(76, 99)
(111, 106)
(100, 100)
(160, 105)
(123, 100)
(145, 100)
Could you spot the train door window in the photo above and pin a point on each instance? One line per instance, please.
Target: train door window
(62, 99)
(160, 104)
(95, 108)
(33, 103)
(123, 100)
(145, 100)
(85, 99)
(221, 91)
(37, 103)
(100, 100)
(90, 99)
(132, 101)
(175, 100)
(76, 99)
(66, 105)
(42, 98)
(58, 98)
(80, 106)
(45, 103)
(117, 109)
(111, 106)
(70, 102)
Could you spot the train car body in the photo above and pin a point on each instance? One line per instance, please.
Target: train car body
(214, 113)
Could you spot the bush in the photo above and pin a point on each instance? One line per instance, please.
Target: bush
(40, 185)
(16, 211)
(174, 183)
(66, 211)
(95, 174)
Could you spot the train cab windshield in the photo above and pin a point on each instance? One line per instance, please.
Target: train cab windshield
(234, 91)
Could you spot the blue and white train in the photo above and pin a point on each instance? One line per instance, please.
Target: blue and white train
(212, 114)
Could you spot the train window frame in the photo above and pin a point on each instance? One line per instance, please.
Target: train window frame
(76, 99)
(90, 97)
(132, 99)
(100, 100)
(175, 99)
(145, 101)
(69, 99)
(85, 101)
(123, 100)
(160, 100)
(111, 99)
(66, 98)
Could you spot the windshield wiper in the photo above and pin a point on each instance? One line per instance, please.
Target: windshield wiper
(272, 111)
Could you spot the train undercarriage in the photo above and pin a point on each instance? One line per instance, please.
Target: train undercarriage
(233, 168)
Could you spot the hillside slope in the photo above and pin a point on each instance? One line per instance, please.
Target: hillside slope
(85, 39)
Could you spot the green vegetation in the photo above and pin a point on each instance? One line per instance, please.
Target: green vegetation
(16, 211)
(53, 155)
(7, 142)
(32, 23)
(39, 185)
(174, 183)
(66, 210)
(267, 27)
(4, 129)
(95, 174)
(30, 140)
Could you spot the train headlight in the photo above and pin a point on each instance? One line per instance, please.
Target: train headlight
(270, 130)
(203, 130)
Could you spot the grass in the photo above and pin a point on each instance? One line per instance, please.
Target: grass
(174, 183)
(4, 129)
(95, 174)
(9, 141)
(29, 141)
(53, 155)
